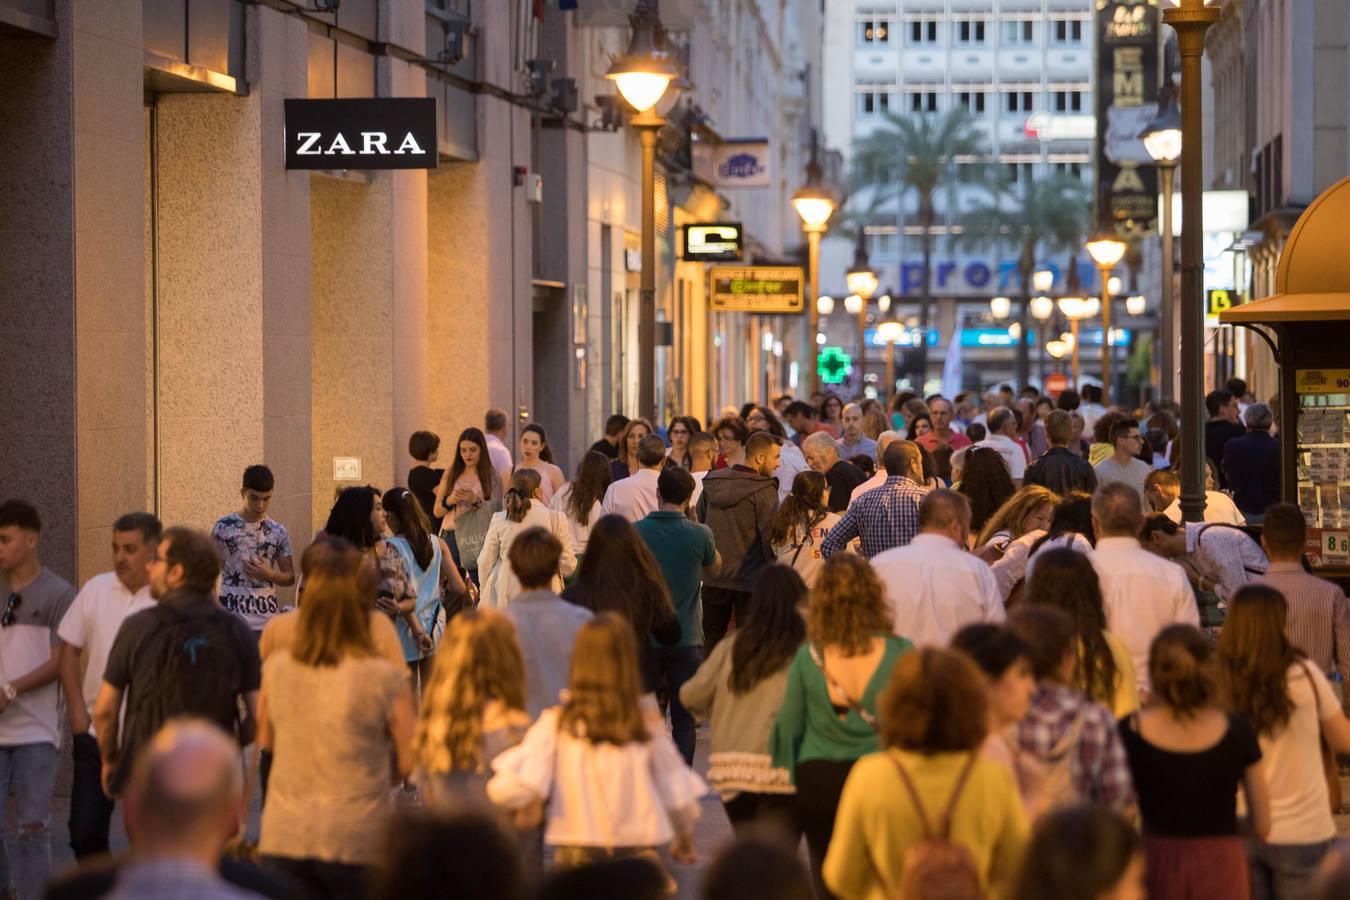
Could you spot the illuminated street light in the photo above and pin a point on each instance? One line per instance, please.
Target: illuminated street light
(645, 70)
(1015, 331)
(1042, 280)
(1042, 308)
(1000, 307)
(1136, 305)
(1058, 349)
(825, 305)
(1162, 139)
(814, 204)
(853, 304)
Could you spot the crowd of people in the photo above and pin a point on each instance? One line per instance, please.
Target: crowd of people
(956, 650)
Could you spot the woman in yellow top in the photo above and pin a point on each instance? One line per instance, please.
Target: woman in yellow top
(934, 716)
(1105, 672)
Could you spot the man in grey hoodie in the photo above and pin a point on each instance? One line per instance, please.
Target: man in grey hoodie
(738, 504)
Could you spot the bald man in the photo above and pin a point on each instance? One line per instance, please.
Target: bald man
(184, 802)
(853, 442)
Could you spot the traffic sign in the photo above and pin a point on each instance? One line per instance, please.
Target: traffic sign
(1056, 383)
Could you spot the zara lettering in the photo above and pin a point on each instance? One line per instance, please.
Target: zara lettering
(371, 143)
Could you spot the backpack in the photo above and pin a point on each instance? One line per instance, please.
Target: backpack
(198, 668)
(936, 867)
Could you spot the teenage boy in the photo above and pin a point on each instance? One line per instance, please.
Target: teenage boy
(683, 549)
(90, 626)
(34, 600)
(255, 553)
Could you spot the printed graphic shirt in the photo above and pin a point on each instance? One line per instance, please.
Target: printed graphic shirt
(253, 601)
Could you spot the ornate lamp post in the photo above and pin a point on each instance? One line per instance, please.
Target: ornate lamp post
(1106, 250)
(1074, 309)
(862, 283)
(1191, 19)
(1162, 139)
(642, 75)
(814, 205)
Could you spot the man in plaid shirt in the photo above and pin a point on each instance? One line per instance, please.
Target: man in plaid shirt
(1063, 727)
(887, 516)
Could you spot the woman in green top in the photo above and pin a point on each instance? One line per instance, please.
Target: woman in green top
(828, 717)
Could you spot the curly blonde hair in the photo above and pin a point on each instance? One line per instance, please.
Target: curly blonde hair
(1013, 514)
(478, 661)
(847, 607)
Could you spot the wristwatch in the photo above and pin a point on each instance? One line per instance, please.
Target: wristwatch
(10, 692)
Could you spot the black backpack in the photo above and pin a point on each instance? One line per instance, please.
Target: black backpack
(197, 665)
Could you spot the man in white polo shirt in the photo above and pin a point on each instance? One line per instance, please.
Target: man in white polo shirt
(90, 626)
(1002, 429)
(1142, 593)
(635, 496)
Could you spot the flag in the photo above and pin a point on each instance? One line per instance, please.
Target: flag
(951, 365)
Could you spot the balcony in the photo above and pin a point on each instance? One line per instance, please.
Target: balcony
(1020, 63)
(874, 62)
(1069, 63)
(923, 65)
(972, 64)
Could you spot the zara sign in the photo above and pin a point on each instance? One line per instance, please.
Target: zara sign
(382, 133)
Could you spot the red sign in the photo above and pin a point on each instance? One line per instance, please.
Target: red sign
(1056, 382)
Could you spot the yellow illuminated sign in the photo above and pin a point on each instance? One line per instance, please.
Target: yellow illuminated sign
(1221, 300)
(762, 289)
(1322, 381)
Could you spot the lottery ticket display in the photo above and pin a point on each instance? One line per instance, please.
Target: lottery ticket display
(1323, 464)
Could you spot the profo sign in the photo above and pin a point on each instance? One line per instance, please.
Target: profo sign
(761, 289)
(383, 133)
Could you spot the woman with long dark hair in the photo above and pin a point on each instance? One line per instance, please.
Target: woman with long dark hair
(919, 426)
(801, 523)
(740, 686)
(579, 499)
(468, 495)
(832, 415)
(620, 574)
(1293, 707)
(986, 484)
(626, 463)
(1188, 757)
(357, 517)
(681, 429)
(522, 508)
(1104, 670)
(434, 577)
(536, 454)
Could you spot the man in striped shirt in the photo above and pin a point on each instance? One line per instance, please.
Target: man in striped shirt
(1319, 622)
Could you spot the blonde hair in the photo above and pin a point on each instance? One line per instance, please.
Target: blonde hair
(847, 606)
(479, 660)
(340, 583)
(603, 686)
(1012, 515)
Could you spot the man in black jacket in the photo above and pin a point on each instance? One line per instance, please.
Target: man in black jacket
(1058, 468)
(738, 504)
(1251, 463)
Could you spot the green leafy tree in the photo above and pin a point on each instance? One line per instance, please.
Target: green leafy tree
(1036, 216)
(924, 155)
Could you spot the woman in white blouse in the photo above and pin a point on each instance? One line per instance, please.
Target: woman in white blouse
(523, 508)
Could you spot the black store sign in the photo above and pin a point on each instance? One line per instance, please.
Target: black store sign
(384, 133)
(1127, 91)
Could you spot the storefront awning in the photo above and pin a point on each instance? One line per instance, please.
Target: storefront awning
(1291, 308)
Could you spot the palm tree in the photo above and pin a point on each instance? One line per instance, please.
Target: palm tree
(1044, 215)
(922, 154)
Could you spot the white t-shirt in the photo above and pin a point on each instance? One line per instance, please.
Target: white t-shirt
(1300, 812)
(808, 561)
(1010, 450)
(92, 622)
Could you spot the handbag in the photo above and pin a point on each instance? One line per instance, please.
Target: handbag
(1330, 771)
(471, 529)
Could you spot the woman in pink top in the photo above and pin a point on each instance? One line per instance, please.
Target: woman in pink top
(536, 454)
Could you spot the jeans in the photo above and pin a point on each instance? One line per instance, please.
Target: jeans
(319, 879)
(718, 604)
(90, 809)
(1284, 871)
(675, 666)
(820, 782)
(31, 770)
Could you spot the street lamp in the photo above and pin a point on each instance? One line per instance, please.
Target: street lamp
(1074, 309)
(1042, 280)
(1106, 251)
(824, 306)
(1162, 139)
(642, 75)
(1136, 304)
(1191, 19)
(1042, 308)
(814, 205)
(1000, 307)
(862, 283)
(889, 332)
(1057, 348)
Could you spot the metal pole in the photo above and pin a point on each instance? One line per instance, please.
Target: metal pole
(1167, 337)
(1107, 346)
(1073, 329)
(812, 354)
(1190, 22)
(648, 124)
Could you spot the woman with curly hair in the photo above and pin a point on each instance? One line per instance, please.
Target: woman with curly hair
(828, 719)
(986, 483)
(1263, 677)
(473, 708)
(1104, 670)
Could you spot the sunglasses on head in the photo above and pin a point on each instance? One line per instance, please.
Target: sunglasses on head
(11, 610)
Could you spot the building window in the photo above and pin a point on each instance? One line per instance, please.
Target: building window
(923, 31)
(1019, 101)
(1068, 31)
(1020, 173)
(1020, 32)
(972, 101)
(1070, 101)
(923, 101)
(970, 32)
(1072, 169)
(874, 32)
(874, 99)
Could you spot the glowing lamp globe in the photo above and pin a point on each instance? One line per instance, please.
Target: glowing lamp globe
(825, 305)
(1042, 308)
(1136, 305)
(1000, 307)
(1106, 250)
(853, 303)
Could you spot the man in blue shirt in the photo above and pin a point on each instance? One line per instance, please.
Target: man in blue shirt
(682, 548)
(546, 624)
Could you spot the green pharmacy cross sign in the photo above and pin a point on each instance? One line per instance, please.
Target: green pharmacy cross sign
(833, 365)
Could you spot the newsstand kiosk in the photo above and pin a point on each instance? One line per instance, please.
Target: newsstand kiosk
(1307, 324)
